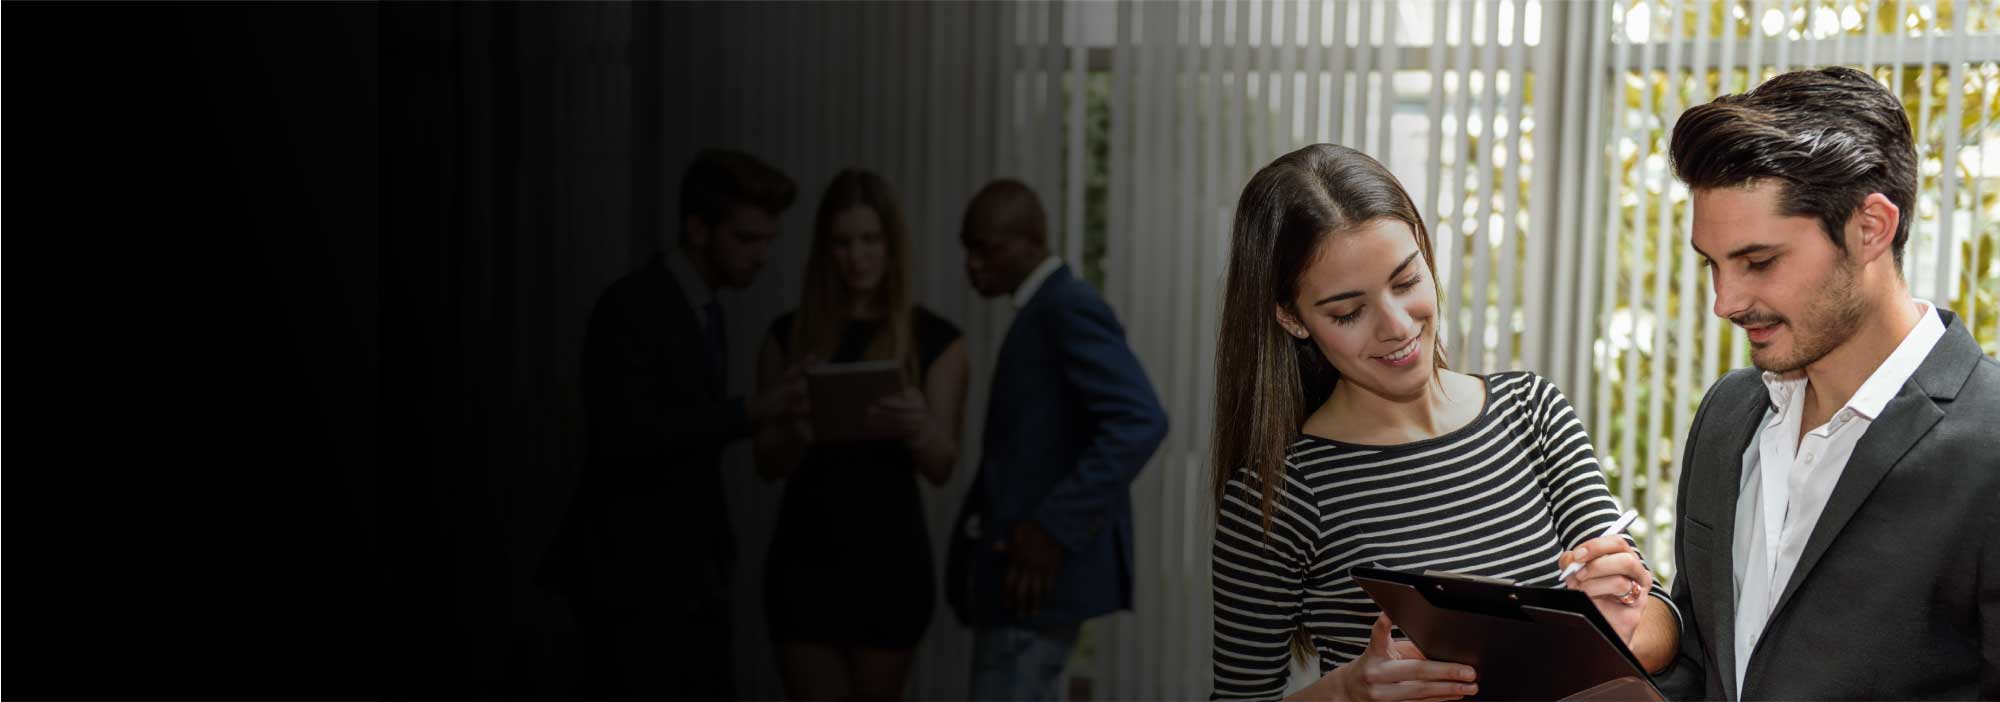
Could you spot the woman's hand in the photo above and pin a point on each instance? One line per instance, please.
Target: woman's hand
(782, 398)
(1614, 578)
(902, 415)
(1396, 670)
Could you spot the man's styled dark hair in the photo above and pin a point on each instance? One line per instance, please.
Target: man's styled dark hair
(1831, 136)
(721, 180)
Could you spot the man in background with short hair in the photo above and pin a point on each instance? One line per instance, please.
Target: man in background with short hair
(1044, 541)
(646, 551)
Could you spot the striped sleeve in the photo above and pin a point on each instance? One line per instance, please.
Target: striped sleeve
(1259, 584)
(1582, 502)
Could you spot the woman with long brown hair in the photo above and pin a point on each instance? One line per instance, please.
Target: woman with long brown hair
(1348, 441)
(849, 587)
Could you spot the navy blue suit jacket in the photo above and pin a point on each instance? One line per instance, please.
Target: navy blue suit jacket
(1070, 422)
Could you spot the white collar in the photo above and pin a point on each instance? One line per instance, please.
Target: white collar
(684, 272)
(1034, 281)
(1881, 385)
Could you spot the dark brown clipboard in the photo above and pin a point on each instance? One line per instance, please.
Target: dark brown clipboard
(1528, 643)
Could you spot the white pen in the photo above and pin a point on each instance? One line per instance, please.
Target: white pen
(1624, 520)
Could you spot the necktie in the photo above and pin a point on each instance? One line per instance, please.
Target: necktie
(713, 336)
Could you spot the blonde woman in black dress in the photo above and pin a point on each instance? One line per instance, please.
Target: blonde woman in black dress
(850, 585)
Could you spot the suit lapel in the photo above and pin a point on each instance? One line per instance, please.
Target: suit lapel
(1905, 420)
(1016, 327)
(998, 393)
(1725, 452)
(683, 326)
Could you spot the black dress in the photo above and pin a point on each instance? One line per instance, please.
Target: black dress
(850, 562)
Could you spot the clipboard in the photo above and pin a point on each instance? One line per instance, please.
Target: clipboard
(1528, 643)
(842, 392)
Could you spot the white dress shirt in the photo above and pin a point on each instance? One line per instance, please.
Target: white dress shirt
(697, 291)
(1034, 281)
(1788, 478)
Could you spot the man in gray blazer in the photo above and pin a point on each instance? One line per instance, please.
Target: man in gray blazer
(1838, 534)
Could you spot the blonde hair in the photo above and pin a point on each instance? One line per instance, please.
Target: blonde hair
(824, 307)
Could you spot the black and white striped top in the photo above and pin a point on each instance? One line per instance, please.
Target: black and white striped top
(1503, 496)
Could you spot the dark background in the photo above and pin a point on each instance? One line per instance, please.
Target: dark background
(291, 320)
(298, 293)
(194, 500)
(241, 391)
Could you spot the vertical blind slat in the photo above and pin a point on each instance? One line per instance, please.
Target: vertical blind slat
(1658, 307)
(1123, 665)
(1451, 245)
(1591, 152)
(1364, 39)
(1482, 228)
(1629, 260)
(1548, 292)
(1433, 108)
(1386, 100)
(1511, 189)
(1947, 245)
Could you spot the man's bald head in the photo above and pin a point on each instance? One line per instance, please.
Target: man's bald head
(1010, 208)
(1005, 234)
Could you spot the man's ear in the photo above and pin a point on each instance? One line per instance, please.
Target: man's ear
(1872, 228)
(1290, 322)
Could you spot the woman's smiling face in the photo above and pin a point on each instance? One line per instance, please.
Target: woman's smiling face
(1367, 305)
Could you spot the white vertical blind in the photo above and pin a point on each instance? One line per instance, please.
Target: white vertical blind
(1556, 140)
(1427, 203)
(1631, 257)
(1605, 351)
(1481, 228)
(1912, 270)
(1151, 326)
(1579, 382)
(1388, 63)
(1078, 76)
(1506, 257)
(1947, 245)
(1314, 50)
(1363, 57)
(1341, 76)
(1662, 255)
(1120, 666)
(1446, 243)
(1692, 299)
(1285, 29)
(1789, 18)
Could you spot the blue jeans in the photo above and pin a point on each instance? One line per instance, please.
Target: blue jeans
(1020, 663)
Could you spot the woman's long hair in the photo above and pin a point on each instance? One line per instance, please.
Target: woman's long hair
(824, 307)
(1267, 381)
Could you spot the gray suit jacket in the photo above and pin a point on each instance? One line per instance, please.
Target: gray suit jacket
(1897, 594)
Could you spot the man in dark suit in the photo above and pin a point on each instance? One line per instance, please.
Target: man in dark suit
(1839, 512)
(646, 551)
(1044, 541)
